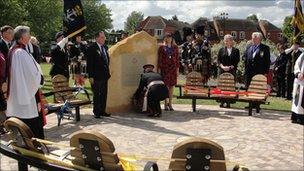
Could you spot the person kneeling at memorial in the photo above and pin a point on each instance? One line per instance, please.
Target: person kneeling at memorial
(152, 90)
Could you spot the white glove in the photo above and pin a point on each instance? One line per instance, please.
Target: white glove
(62, 43)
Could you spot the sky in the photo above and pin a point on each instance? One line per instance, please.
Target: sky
(189, 11)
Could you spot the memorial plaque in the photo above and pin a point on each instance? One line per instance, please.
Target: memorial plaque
(131, 67)
(127, 58)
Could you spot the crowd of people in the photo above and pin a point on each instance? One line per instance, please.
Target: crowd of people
(20, 56)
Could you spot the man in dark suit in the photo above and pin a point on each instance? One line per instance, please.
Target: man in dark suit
(7, 33)
(228, 56)
(280, 70)
(156, 91)
(293, 54)
(60, 59)
(257, 58)
(98, 70)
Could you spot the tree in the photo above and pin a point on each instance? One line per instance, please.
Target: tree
(12, 13)
(174, 17)
(288, 29)
(252, 17)
(44, 18)
(97, 17)
(132, 21)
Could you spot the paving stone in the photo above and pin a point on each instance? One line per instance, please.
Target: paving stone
(268, 141)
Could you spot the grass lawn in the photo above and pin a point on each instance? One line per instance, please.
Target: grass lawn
(275, 103)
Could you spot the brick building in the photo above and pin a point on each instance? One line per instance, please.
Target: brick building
(157, 26)
(240, 29)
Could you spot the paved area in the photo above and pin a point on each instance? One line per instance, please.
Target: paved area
(267, 141)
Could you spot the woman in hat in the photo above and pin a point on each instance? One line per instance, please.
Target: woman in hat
(168, 66)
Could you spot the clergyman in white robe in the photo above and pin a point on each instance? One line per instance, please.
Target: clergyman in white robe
(298, 92)
(25, 78)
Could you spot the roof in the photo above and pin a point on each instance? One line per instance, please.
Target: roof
(154, 22)
(199, 22)
(237, 24)
(179, 25)
(268, 26)
(158, 22)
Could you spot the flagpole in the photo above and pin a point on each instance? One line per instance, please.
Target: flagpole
(76, 32)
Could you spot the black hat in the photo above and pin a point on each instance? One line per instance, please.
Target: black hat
(59, 34)
(147, 66)
(187, 31)
(200, 30)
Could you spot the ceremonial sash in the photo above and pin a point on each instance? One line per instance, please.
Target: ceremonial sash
(144, 108)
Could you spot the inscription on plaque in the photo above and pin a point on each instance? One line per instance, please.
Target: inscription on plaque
(132, 68)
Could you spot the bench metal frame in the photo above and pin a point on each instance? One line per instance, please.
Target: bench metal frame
(24, 161)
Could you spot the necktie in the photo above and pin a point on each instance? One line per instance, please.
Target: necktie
(9, 45)
(104, 53)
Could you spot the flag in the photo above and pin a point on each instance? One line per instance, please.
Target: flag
(73, 18)
(298, 20)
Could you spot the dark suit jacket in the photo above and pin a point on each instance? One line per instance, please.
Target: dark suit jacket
(37, 53)
(226, 60)
(3, 48)
(291, 60)
(60, 62)
(97, 66)
(258, 64)
(280, 64)
(161, 91)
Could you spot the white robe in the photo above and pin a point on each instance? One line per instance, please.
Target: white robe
(298, 86)
(25, 76)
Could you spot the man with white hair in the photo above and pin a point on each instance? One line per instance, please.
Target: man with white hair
(24, 80)
(257, 58)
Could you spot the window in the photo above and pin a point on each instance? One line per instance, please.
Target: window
(234, 34)
(158, 32)
(221, 33)
(242, 35)
(280, 36)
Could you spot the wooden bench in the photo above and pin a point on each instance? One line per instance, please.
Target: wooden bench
(257, 93)
(193, 89)
(225, 90)
(195, 154)
(89, 150)
(64, 93)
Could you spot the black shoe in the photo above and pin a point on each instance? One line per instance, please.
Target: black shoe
(151, 115)
(106, 114)
(157, 115)
(97, 117)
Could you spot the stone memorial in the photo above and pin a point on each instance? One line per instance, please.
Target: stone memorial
(126, 60)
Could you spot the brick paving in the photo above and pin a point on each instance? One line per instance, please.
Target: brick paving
(266, 141)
